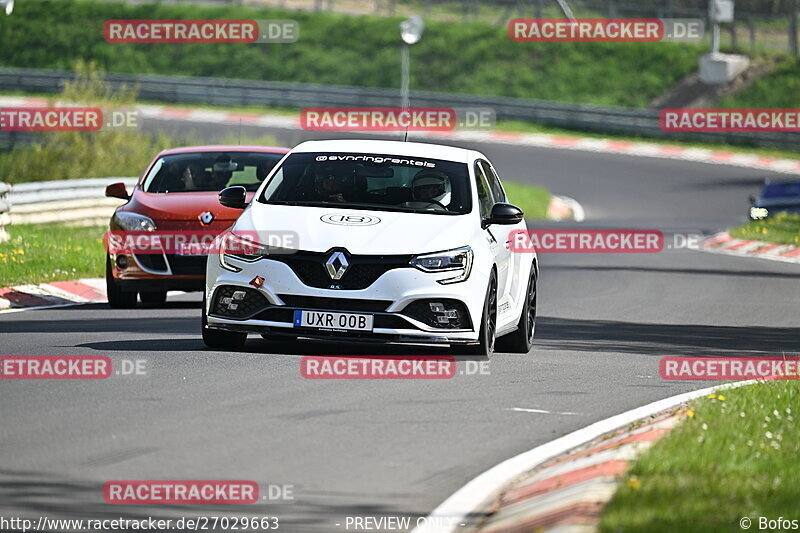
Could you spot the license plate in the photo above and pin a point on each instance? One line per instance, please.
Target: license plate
(329, 320)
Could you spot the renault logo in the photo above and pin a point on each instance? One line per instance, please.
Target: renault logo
(206, 217)
(337, 265)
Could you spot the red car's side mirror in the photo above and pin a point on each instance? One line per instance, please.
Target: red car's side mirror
(117, 190)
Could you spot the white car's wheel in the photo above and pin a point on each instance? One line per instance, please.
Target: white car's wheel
(521, 340)
(220, 339)
(486, 339)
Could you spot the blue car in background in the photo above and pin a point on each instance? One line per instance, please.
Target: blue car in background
(775, 197)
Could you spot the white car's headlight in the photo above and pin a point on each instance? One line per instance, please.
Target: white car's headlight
(458, 261)
(239, 248)
(132, 222)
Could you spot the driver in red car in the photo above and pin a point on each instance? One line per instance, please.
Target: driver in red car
(194, 178)
(222, 171)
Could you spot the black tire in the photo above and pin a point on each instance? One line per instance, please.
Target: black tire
(117, 298)
(221, 339)
(521, 340)
(153, 298)
(486, 339)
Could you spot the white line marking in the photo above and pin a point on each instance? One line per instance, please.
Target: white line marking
(36, 308)
(481, 489)
(542, 411)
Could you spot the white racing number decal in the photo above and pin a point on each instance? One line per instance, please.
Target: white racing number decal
(348, 219)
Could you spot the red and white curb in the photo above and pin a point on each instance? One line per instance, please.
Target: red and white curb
(723, 243)
(53, 294)
(569, 493)
(564, 207)
(478, 496)
(542, 140)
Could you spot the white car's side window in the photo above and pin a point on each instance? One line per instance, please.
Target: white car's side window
(484, 193)
(494, 182)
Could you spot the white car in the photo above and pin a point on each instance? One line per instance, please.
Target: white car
(377, 241)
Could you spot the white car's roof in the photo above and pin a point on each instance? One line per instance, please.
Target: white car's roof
(409, 149)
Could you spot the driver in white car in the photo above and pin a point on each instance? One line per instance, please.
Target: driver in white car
(430, 187)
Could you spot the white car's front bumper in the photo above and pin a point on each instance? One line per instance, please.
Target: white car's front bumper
(396, 321)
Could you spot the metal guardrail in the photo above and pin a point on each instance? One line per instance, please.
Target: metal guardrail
(231, 92)
(5, 207)
(79, 201)
(60, 190)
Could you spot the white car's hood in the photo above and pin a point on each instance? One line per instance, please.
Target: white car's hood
(378, 233)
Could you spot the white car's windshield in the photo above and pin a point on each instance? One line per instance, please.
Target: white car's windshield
(371, 181)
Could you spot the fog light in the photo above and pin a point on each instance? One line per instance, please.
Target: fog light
(442, 319)
(238, 295)
(122, 261)
(436, 307)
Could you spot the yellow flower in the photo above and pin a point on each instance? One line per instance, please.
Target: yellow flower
(712, 396)
(634, 483)
(721, 398)
(690, 413)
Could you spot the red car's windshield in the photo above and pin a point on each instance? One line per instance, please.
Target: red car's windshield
(209, 171)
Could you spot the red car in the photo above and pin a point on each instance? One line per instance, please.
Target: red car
(177, 193)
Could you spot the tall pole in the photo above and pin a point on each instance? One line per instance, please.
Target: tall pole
(715, 38)
(793, 29)
(410, 32)
(404, 82)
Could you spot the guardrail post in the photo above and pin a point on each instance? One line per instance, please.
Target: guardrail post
(5, 207)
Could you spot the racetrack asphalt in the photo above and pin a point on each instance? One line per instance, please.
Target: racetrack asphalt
(379, 448)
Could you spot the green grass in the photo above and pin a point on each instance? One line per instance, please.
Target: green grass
(57, 156)
(472, 58)
(532, 199)
(39, 253)
(783, 228)
(778, 89)
(76, 154)
(735, 457)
